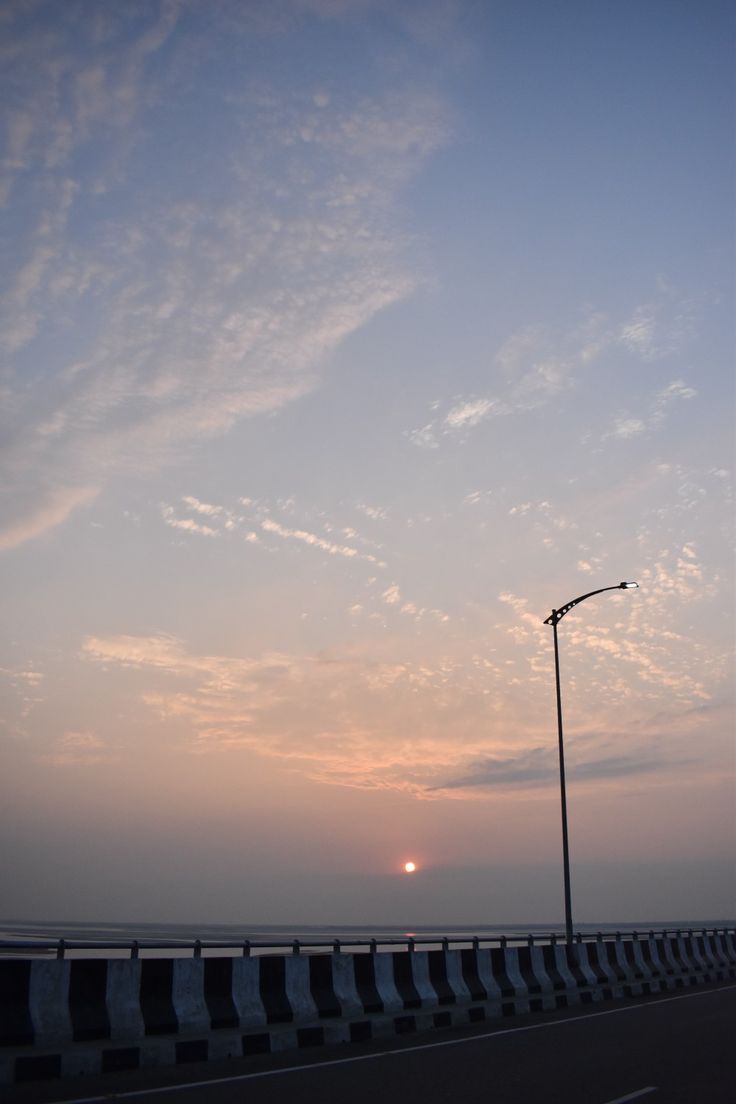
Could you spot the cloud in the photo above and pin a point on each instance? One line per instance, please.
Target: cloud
(186, 524)
(75, 748)
(536, 364)
(225, 522)
(626, 426)
(461, 716)
(350, 719)
(52, 508)
(166, 322)
(377, 513)
(658, 329)
(540, 767)
(469, 413)
(315, 541)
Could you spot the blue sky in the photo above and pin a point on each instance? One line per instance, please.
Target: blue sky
(341, 341)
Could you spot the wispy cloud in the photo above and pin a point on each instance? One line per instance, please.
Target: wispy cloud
(332, 549)
(188, 525)
(538, 767)
(78, 749)
(626, 426)
(536, 364)
(167, 323)
(52, 507)
(339, 719)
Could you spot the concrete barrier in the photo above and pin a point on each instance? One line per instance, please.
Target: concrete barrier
(63, 1017)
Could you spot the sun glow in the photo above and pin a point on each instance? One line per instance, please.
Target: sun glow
(409, 867)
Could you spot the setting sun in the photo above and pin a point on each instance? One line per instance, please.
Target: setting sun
(410, 867)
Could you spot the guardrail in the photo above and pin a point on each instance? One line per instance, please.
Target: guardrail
(62, 947)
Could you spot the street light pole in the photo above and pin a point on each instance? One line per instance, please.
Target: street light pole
(553, 620)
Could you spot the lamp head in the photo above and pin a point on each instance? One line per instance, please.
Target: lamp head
(628, 586)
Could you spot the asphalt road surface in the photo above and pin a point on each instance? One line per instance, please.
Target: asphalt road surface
(678, 1047)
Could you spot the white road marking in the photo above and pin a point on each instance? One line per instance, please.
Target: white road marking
(390, 1053)
(632, 1096)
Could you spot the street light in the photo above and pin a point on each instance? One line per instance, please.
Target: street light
(554, 619)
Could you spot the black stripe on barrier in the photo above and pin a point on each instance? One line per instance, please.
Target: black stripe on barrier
(404, 980)
(602, 980)
(683, 968)
(471, 977)
(635, 968)
(120, 1058)
(157, 1005)
(365, 982)
(729, 938)
(653, 967)
(618, 970)
(256, 1044)
(527, 971)
(572, 958)
(714, 953)
(551, 968)
(41, 1067)
(700, 955)
(87, 1003)
(16, 1025)
(694, 966)
(218, 992)
(322, 986)
(719, 945)
(661, 952)
(672, 972)
(438, 977)
(361, 1032)
(273, 989)
(310, 1036)
(192, 1050)
(498, 968)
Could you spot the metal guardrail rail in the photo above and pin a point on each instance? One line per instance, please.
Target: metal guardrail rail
(60, 947)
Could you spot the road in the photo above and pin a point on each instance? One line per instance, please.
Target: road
(669, 1048)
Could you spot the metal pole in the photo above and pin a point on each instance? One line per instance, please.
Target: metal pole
(563, 798)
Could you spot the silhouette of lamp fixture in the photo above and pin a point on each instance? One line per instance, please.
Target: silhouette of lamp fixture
(554, 619)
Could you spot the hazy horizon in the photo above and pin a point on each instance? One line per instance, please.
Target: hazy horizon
(342, 340)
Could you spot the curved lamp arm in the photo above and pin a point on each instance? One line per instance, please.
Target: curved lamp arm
(557, 614)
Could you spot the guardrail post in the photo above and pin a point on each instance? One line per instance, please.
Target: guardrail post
(410, 944)
(60, 948)
(476, 943)
(197, 948)
(246, 948)
(503, 941)
(336, 947)
(445, 944)
(374, 946)
(295, 947)
(134, 948)
(530, 940)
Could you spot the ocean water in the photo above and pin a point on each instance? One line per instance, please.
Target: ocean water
(274, 935)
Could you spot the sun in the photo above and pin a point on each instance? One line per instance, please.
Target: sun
(409, 867)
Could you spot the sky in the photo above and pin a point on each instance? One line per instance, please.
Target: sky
(343, 340)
